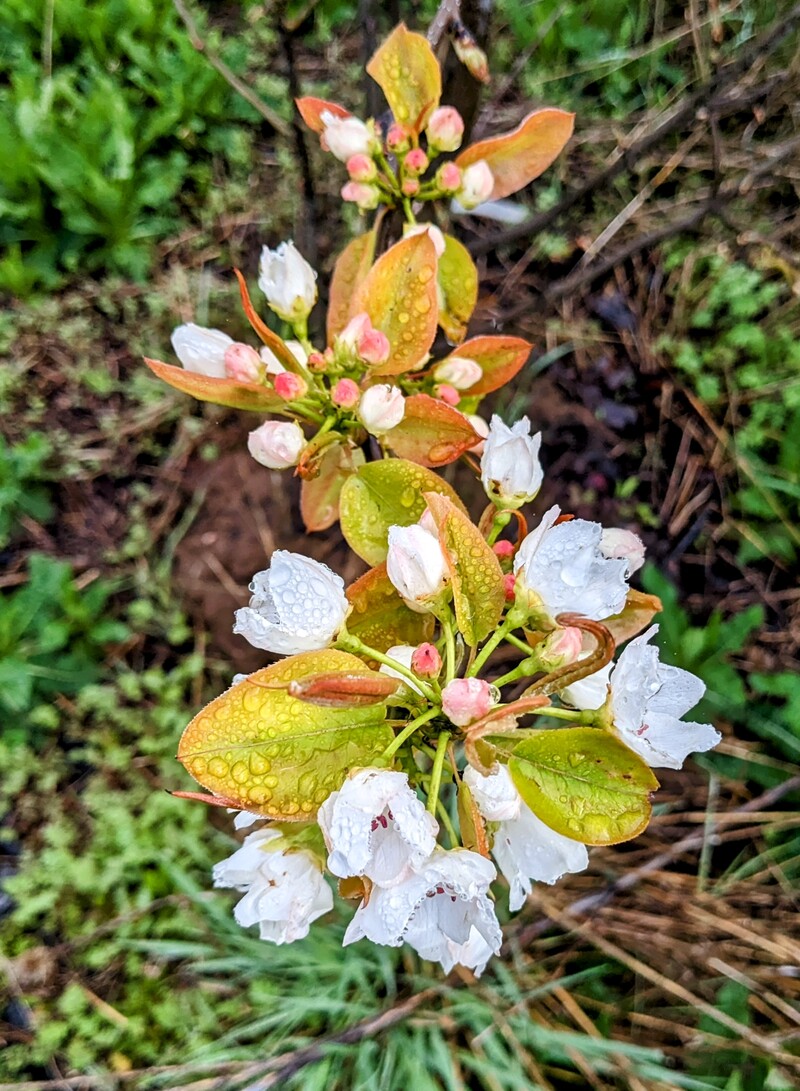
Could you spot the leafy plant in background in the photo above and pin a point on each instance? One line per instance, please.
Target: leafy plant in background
(22, 489)
(104, 137)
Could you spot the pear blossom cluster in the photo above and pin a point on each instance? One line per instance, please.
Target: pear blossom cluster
(450, 730)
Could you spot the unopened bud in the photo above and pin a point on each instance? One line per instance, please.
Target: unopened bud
(410, 187)
(448, 394)
(503, 549)
(373, 347)
(290, 386)
(510, 586)
(347, 136)
(317, 361)
(620, 545)
(397, 139)
(471, 55)
(367, 197)
(482, 428)
(381, 408)
(448, 178)
(459, 372)
(345, 394)
(560, 648)
(426, 661)
(361, 168)
(477, 183)
(243, 364)
(277, 444)
(465, 700)
(416, 162)
(445, 129)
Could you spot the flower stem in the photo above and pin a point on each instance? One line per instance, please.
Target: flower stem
(501, 520)
(349, 643)
(447, 822)
(408, 731)
(450, 649)
(497, 636)
(436, 772)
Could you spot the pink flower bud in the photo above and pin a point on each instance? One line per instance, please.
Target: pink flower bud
(410, 187)
(277, 444)
(317, 361)
(290, 386)
(561, 648)
(503, 549)
(416, 161)
(243, 364)
(510, 586)
(361, 168)
(621, 545)
(373, 347)
(381, 408)
(345, 393)
(465, 700)
(448, 178)
(448, 394)
(445, 129)
(459, 372)
(397, 139)
(477, 183)
(426, 661)
(367, 197)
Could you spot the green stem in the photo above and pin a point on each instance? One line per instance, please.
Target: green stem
(448, 824)
(449, 649)
(497, 636)
(409, 212)
(349, 643)
(521, 644)
(408, 731)
(501, 520)
(522, 670)
(436, 772)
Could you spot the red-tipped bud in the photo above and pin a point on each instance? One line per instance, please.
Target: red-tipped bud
(346, 394)
(290, 386)
(448, 394)
(448, 178)
(373, 347)
(509, 584)
(416, 162)
(243, 364)
(426, 661)
(317, 361)
(410, 187)
(364, 195)
(361, 168)
(503, 549)
(471, 55)
(397, 139)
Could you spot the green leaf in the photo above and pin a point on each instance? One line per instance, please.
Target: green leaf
(585, 784)
(458, 281)
(274, 754)
(475, 573)
(385, 494)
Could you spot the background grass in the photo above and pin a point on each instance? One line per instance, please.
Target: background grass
(130, 521)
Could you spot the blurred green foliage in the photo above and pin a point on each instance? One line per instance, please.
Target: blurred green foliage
(22, 476)
(112, 123)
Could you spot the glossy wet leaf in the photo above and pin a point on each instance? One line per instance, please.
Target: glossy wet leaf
(500, 358)
(399, 295)
(431, 432)
(637, 613)
(380, 617)
(380, 495)
(351, 268)
(258, 399)
(406, 70)
(475, 573)
(337, 689)
(311, 111)
(518, 157)
(458, 283)
(584, 783)
(274, 754)
(319, 495)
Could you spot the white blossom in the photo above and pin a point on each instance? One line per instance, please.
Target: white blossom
(381, 408)
(273, 364)
(510, 466)
(459, 371)
(201, 350)
(564, 566)
(648, 699)
(298, 605)
(441, 910)
(283, 891)
(477, 184)
(288, 282)
(376, 825)
(525, 848)
(277, 444)
(588, 692)
(346, 136)
(415, 564)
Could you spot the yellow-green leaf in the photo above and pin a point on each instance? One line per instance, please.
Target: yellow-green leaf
(407, 72)
(258, 399)
(585, 784)
(274, 754)
(475, 573)
(384, 494)
(458, 281)
(399, 295)
(431, 432)
(352, 267)
(518, 157)
(380, 617)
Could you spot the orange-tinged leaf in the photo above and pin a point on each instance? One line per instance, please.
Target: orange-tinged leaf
(475, 573)
(407, 72)
(312, 109)
(276, 755)
(268, 336)
(518, 157)
(351, 268)
(500, 358)
(380, 617)
(259, 399)
(399, 295)
(470, 822)
(431, 432)
(637, 613)
(319, 495)
(338, 690)
(458, 281)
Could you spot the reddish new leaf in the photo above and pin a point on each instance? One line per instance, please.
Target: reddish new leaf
(312, 109)
(351, 269)
(518, 157)
(337, 690)
(407, 72)
(431, 432)
(270, 339)
(258, 399)
(500, 358)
